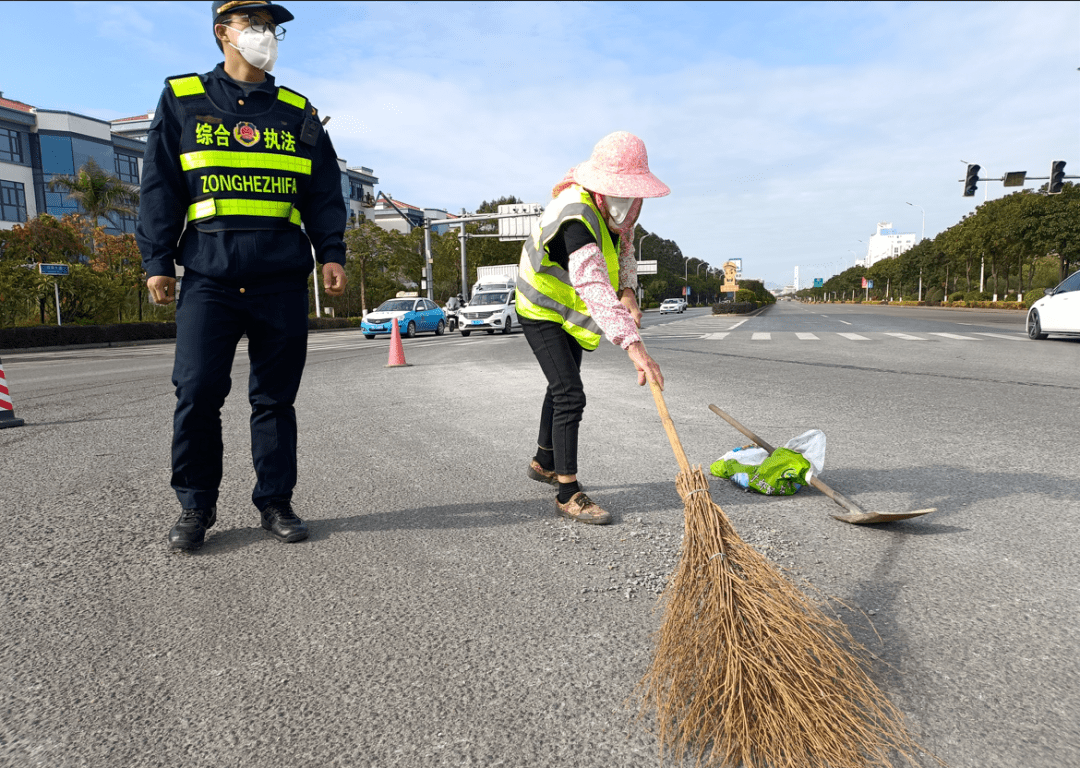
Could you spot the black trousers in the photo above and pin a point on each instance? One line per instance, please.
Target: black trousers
(210, 320)
(559, 355)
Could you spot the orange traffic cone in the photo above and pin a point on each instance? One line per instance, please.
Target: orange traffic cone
(7, 410)
(397, 354)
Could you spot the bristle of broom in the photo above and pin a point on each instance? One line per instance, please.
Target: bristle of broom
(748, 670)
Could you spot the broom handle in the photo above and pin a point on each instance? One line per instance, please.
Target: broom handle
(669, 427)
(836, 496)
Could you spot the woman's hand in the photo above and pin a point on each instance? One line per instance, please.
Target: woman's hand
(647, 368)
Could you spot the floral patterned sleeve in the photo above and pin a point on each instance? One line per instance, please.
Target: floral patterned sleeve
(627, 263)
(589, 276)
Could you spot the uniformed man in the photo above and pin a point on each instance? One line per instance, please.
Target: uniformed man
(234, 167)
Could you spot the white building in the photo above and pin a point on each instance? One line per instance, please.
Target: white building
(886, 243)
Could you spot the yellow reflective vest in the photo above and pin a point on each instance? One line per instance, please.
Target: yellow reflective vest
(544, 291)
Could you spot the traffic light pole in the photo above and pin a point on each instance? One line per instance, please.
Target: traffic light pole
(1056, 179)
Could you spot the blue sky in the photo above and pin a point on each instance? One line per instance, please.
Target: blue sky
(786, 131)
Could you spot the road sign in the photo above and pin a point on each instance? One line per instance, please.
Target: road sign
(869, 283)
(522, 226)
(54, 269)
(646, 267)
(819, 282)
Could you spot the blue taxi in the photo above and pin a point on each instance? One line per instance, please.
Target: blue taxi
(412, 314)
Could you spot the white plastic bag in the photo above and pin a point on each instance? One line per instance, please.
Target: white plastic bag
(810, 444)
(751, 456)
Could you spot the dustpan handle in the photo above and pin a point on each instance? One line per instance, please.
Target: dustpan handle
(669, 427)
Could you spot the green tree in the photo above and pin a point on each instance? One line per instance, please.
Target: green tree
(43, 239)
(99, 193)
(367, 251)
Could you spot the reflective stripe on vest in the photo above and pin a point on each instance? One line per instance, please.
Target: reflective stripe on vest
(192, 86)
(210, 158)
(205, 209)
(544, 288)
(187, 86)
(289, 97)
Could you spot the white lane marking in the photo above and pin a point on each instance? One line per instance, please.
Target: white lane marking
(853, 336)
(955, 336)
(762, 337)
(714, 336)
(732, 328)
(1003, 336)
(807, 336)
(845, 322)
(906, 336)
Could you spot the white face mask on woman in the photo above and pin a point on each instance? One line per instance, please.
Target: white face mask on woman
(618, 208)
(259, 49)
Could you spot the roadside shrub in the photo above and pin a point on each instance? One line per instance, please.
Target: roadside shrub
(64, 335)
(321, 323)
(734, 307)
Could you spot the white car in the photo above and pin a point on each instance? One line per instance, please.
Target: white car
(672, 305)
(489, 311)
(1058, 311)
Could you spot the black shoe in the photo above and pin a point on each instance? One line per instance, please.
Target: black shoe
(279, 519)
(190, 529)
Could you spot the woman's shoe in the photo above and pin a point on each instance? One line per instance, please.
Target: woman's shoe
(541, 475)
(584, 510)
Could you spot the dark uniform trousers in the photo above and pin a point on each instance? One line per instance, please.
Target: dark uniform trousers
(210, 320)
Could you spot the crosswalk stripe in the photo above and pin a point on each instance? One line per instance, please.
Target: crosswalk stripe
(714, 336)
(853, 336)
(807, 336)
(1002, 336)
(762, 336)
(954, 336)
(906, 336)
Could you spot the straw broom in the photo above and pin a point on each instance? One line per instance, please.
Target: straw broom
(748, 671)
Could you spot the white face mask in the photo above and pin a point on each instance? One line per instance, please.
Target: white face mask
(259, 49)
(618, 208)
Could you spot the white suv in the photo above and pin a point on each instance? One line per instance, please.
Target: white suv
(671, 305)
(489, 311)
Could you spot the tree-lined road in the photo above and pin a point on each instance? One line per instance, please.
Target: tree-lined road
(442, 615)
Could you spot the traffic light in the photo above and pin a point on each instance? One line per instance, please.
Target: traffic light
(971, 181)
(1057, 177)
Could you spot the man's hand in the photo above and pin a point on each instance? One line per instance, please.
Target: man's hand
(334, 278)
(162, 289)
(629, 300)
(647, 368)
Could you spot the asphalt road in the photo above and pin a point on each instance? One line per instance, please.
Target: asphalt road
(442, 615)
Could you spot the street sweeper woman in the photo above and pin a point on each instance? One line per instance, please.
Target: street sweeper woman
(576, 282)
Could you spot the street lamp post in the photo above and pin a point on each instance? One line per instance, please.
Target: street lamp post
(640, 243)
(923, 235)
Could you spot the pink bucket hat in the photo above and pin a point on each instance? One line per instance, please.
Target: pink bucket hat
(619, 167)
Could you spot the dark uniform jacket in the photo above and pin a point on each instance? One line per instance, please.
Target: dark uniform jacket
(259, 259)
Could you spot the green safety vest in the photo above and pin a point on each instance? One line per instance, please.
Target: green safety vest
(544, 291)
(243, 172)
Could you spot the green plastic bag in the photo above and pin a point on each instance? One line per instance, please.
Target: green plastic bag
(781, 474)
